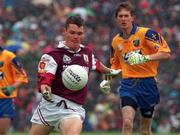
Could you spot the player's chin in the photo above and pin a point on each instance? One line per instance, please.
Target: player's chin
(124, 26)
(73, 44)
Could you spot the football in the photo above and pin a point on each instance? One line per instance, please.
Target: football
(75, 77)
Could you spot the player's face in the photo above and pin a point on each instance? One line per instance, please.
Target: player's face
(73, 36)
(124, 19)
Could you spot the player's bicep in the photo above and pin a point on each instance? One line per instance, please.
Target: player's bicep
(18, 71)
(163, 45)
(152, 36)
(98, 65)
(46, 70)
(155, 41)
(47, 64)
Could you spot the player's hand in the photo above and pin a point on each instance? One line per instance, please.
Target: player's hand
(136, 58)
(105, 86)
(114, 72)
(47, 95)
(8, 90)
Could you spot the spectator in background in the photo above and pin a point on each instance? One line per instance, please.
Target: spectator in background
(12, 75)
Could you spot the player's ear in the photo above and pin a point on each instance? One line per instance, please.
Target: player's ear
(64, 30)
(116, 21)
(132, 18)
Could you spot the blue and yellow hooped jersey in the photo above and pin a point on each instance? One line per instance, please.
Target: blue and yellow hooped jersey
(144, 40)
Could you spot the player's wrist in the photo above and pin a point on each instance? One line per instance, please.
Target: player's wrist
(147, 58)
(47, 95)
(114, 72)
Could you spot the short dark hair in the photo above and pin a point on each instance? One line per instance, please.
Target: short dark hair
(74, 19)
(127, 5)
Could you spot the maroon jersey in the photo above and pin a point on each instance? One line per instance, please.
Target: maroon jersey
(54, 63)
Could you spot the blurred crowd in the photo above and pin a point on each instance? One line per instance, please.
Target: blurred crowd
(32, 27)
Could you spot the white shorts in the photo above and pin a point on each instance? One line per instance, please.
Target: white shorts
(51, 114)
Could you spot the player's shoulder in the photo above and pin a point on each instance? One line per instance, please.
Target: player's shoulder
(8, 54)
(58, 50)
(86, 48)
(143, 29)
(150, 34)
(54, 54)
(116, 37)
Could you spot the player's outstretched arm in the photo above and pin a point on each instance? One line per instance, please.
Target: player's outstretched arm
(108, 73)
(135, 58)
(105, 70)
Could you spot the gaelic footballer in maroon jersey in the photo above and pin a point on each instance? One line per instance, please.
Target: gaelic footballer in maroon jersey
(54, 63)
(61, 108)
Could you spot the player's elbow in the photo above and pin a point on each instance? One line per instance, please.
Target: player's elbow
(167, 55)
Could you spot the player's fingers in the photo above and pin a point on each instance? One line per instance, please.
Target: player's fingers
(108, 77)
(47, 95)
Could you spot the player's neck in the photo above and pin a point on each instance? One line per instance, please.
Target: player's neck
(126, 32)
(73, 47)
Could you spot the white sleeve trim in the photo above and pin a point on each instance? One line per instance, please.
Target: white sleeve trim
(93, 62)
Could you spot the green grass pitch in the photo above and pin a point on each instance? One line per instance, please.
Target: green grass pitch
(98, 133)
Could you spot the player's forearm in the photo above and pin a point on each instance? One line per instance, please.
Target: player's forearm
(17, 84)
(159, 56)
(105, 69)
(100, 67)
(45, 87)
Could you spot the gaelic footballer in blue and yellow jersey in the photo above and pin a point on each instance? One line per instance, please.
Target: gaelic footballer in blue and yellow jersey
(11, 72)
(143, 40)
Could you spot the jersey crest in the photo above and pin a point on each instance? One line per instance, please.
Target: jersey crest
(136, 42)
(42, 65)
(66, 59)
(86, 59)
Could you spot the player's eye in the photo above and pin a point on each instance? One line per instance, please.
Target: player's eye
(79, 33)
(126, 16)
(72, 32)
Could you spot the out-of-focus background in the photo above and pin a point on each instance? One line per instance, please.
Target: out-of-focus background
(32, 27)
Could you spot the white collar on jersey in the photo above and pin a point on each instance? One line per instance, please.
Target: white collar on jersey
(62, 45)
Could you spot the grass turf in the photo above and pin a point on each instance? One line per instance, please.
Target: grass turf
(98, 133)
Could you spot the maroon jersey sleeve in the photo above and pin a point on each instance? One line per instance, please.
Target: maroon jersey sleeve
(46, 70)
